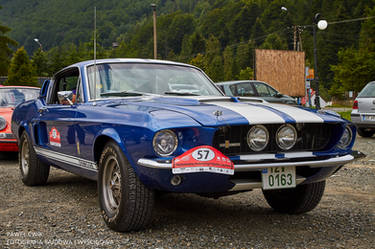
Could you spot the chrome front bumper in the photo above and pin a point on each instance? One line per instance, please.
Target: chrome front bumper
(256, 163)
(331, 162)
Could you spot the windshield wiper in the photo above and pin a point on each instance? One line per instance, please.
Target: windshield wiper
(122, 94)
(181, 93)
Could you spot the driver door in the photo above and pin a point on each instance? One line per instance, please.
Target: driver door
(58, 118)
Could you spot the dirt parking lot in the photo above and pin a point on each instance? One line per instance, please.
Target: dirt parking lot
(65, 214)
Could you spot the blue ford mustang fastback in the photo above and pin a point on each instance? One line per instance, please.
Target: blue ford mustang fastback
(142, 126)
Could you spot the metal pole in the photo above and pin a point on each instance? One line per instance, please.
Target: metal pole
(39, 43)
(316, 77)
(155, 33)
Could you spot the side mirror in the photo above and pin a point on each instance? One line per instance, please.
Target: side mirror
(65, 97)
(44, 89)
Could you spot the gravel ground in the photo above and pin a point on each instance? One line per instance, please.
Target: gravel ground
(65, 214)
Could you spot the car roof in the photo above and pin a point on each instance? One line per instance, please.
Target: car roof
(28, 87)
(238, 81)
(128, 60)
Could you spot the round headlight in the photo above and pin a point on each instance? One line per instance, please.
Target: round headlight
(286, 137)
(165, 142)
(257, 137)
(346, 138)
(3, 123)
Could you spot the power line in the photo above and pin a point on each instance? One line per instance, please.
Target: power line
(352, 20)
(341, 21)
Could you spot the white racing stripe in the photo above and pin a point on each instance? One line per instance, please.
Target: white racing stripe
(254, 114)
(299, 115)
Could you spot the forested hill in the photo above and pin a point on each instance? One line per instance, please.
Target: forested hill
(209, 33)
(57, 22)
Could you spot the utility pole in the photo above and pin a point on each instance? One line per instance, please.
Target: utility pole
(153, 6)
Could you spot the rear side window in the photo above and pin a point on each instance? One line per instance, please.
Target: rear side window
(245, 89)
(368, 91)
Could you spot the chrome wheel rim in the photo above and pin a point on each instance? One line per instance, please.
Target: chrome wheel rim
(25, 157)
(111, 185)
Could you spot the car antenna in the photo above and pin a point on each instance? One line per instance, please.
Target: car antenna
(95, 52)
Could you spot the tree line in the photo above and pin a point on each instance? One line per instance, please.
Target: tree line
(218, 36)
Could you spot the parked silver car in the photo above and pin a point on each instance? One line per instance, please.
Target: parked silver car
(254, 88)
(363, 113)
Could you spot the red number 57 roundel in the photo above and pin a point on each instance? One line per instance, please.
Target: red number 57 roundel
(202, 159)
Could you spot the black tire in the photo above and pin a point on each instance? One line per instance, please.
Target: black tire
(297, 200)
(365, 132)
(126, 203)
(33, 171)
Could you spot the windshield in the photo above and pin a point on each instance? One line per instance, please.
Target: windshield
(10, 97)
(132, 79)
(368, 91)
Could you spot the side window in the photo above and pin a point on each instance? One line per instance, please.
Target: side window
(245, 89)
(233, 89)
(262, 89)
(65, 81)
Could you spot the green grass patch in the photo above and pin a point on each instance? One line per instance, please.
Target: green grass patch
(338, 105)
(345, 115)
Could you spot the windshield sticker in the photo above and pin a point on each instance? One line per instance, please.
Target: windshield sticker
(202, 159)
(54, 137)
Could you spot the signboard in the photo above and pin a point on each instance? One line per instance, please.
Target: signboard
(282, 69)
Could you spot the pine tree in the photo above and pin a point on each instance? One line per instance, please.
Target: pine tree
(21, 71)
(39, 61)
(5, 51)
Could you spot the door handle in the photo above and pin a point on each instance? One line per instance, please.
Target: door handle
(42, 110)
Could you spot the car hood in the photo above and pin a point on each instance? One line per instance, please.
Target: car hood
(6, 112)
(218, 110)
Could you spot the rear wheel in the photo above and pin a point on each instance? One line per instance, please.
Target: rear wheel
(365, 132)
(297, 200)
(126, 203)
(33, 171)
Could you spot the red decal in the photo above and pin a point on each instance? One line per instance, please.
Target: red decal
(54, 137)
(202, 159)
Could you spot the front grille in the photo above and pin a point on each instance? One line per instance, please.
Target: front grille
(232, 140)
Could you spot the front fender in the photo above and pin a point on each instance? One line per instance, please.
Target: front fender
(112, 134)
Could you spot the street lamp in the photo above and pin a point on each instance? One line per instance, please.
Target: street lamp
(153, 6)
(322, 25)
(40, 44)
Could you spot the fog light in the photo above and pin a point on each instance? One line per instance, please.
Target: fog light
(176, 180)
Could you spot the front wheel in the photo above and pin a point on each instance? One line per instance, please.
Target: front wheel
(33, 171)
(297, 200)
(365, 132)
(126, 203)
